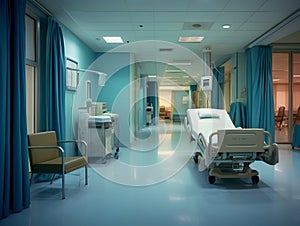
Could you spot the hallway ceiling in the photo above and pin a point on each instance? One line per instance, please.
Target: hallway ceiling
(140, 20)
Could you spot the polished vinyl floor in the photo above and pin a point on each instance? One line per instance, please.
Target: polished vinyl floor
(156, 182)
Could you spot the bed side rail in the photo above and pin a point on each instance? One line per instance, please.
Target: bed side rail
(239, 140)
(188, 128)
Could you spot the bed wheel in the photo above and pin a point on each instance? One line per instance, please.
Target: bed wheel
(195, 157)
(212, 179)
(255, 179)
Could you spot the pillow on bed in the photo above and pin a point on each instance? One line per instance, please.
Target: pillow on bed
(208, 115)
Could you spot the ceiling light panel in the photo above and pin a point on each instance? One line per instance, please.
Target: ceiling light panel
(113, 39)
(175, 71)
(179, 63)
(190, 39)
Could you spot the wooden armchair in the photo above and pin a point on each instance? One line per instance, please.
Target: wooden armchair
(162, 112)
(279, 118)
(297, 117)
(46, 156)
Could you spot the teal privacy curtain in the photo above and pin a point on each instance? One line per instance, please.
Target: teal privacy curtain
(238, 114)
(193, 88)
(259, 85)
(55, 79)
(217, 98)
(14, 177)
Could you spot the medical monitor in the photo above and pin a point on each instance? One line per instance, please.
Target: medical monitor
(206, 83)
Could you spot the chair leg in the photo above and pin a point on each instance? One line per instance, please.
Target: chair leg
(30, 179)
(52, 179)
(86, 175)
(63, 186)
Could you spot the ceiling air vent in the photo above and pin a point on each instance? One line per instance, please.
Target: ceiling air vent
(204, 26)
(165, 49)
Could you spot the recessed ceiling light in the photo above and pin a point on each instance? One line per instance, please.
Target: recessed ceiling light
(226, 26)
(113, 39)
(190, 39)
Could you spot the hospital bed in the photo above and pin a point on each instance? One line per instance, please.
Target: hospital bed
(227, 151)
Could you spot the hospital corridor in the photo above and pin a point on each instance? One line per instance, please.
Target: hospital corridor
(149, 113)
(183, 198)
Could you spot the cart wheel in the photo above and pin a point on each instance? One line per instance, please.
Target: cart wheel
(116, 156)
(195, 158)
(212, 179)
(255, 179)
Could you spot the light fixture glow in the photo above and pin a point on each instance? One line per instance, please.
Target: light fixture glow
(190, 39)
(113, 39)
(180, 63)
(226, 26)
(174, 71)
(275, 79)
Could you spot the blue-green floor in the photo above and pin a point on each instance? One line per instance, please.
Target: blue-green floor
(175, 194)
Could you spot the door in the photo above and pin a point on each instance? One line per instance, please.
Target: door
(286, 86)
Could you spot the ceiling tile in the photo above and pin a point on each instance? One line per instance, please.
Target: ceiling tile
(267, 17)
(163, 20)
(207, 5)
(280, 5)
(142, 17)
(256, 26)
(201, 16)
(168, 26)
(244, 5)
(100, 16)
(226, 17)
(101, 26)
(90, 5)
(137, 5)
(162, 16)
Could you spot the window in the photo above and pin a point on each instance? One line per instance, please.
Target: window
(30, 98)
(31, 73)
(30, 38)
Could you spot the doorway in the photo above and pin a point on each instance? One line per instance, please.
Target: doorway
(286, 86)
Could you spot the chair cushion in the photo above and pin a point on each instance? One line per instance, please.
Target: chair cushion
(55, 165)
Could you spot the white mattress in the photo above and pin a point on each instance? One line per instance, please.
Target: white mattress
(207, 121)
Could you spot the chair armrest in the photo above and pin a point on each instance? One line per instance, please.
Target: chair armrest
(47, 147)
(76, 141)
